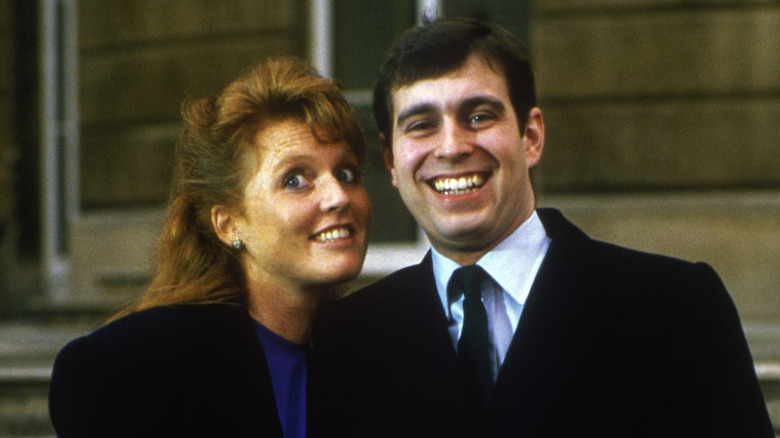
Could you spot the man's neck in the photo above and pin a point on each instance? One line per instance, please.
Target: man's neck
(465, 256)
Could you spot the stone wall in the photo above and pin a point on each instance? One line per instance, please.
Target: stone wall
(662, 131)
(140, 59)
(659, 95)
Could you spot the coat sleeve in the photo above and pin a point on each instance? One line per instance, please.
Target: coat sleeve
(718, 388)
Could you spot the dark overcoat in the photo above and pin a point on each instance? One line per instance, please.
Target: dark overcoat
(173, 371)
(612, 342)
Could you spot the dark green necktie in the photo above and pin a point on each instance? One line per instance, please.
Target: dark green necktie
(474, 343)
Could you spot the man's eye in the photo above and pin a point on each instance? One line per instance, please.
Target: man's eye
(476, 119)
(419, 126)
(293, 182)
(347, 175)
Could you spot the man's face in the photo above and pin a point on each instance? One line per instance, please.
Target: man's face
(459, 160)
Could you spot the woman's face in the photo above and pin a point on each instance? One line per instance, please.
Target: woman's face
(306, 214)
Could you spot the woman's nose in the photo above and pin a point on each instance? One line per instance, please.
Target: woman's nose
(334, 195)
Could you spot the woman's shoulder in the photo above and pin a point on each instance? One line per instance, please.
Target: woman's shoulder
(181, 316)
(159, 331)
(124, 374)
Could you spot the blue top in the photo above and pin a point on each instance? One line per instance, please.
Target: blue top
(287, 364)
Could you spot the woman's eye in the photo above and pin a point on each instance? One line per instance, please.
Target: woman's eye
(293, 182)
(347, 175)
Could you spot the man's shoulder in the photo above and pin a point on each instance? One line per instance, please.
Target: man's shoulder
(566, 234)
(618, 265)
(386, 299)
(409, 275)
(405, 283)
(636, 263)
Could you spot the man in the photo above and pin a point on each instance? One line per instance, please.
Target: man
(567, 336)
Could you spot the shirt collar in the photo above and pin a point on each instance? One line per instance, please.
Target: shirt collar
(512, 264)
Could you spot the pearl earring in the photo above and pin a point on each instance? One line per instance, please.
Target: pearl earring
(236, 242)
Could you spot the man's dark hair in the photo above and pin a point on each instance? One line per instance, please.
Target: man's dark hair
(438, 47)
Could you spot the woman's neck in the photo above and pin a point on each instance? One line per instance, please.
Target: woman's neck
(285, 311)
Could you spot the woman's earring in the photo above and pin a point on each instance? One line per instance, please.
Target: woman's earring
(236, 242)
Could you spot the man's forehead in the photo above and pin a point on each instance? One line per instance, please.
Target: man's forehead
(471, 81)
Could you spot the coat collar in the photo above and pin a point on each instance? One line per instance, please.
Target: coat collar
(566, 311)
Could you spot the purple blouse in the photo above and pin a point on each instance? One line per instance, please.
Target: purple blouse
(287, 364)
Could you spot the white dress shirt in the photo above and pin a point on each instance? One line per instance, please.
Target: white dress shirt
(512, 266)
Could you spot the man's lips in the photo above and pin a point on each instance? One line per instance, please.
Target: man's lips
(458, 185)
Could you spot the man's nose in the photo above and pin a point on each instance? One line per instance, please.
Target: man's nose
(454, 142)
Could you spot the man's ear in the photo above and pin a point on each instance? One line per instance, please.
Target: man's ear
(533, 137)
(224, 224)
(387, 156)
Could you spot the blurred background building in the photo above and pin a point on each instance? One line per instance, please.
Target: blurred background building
(662, 134)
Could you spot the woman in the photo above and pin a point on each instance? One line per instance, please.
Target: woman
(267, 216)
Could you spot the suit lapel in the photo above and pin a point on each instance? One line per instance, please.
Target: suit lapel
(422, 299)
(433, 403)
(423, 322)
(565, 312)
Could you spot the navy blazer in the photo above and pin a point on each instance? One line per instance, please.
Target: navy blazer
(175, 371)
(611, 343)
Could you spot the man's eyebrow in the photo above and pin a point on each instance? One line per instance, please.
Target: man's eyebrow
(475, 101)
(423, 108)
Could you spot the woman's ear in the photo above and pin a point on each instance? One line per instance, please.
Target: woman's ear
(224, 224)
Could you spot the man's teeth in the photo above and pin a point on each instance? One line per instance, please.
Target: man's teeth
(460, 185)
(331, 235)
